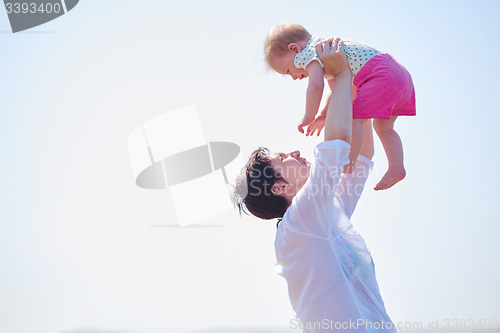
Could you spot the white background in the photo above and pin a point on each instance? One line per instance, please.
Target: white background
(82, 247)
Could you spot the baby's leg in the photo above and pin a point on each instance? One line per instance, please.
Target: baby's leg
(394, 151)
(358, 136)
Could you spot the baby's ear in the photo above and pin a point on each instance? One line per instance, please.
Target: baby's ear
(294, 47)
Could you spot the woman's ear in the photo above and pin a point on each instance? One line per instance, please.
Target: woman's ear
(280, 187)
(294, 47)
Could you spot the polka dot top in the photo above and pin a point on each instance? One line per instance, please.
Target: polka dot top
(358, 54)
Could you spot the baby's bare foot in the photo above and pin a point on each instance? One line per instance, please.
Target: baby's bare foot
(391, 177)
(349, 168)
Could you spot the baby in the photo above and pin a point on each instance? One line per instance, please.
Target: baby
(384, 90)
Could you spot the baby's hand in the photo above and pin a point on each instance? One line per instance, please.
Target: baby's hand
(304, 122)
(349, 168)
(316, 125)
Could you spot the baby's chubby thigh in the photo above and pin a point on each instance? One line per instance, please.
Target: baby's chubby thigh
(376, 96)
(403, 85)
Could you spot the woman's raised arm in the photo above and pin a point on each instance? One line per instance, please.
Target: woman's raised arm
(338, 124)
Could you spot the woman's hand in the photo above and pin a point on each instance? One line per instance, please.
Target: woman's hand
(331, 52)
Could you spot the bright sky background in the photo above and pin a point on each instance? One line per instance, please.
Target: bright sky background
(82, 247)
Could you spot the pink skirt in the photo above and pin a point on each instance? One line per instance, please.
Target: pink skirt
(384, 88)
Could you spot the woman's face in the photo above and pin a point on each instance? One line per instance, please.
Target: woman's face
(292, 168)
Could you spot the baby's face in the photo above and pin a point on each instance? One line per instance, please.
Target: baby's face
(284, 65)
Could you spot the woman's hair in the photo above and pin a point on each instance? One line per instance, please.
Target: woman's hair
(279, 37)
(252, 192)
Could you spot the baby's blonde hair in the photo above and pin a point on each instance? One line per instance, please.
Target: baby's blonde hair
(279, 37)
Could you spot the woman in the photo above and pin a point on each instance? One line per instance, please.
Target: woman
(329, 271)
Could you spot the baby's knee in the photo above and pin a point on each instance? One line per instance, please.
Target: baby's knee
(383, 125)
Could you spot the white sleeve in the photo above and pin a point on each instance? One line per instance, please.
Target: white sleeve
(311, 208)
(308, 54)
(304, 58)
(351, 186)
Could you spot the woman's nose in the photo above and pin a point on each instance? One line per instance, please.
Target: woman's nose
(295, 154)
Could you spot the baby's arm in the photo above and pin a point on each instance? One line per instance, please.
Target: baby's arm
(314, 93)
(319, 121)
(322, 112)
